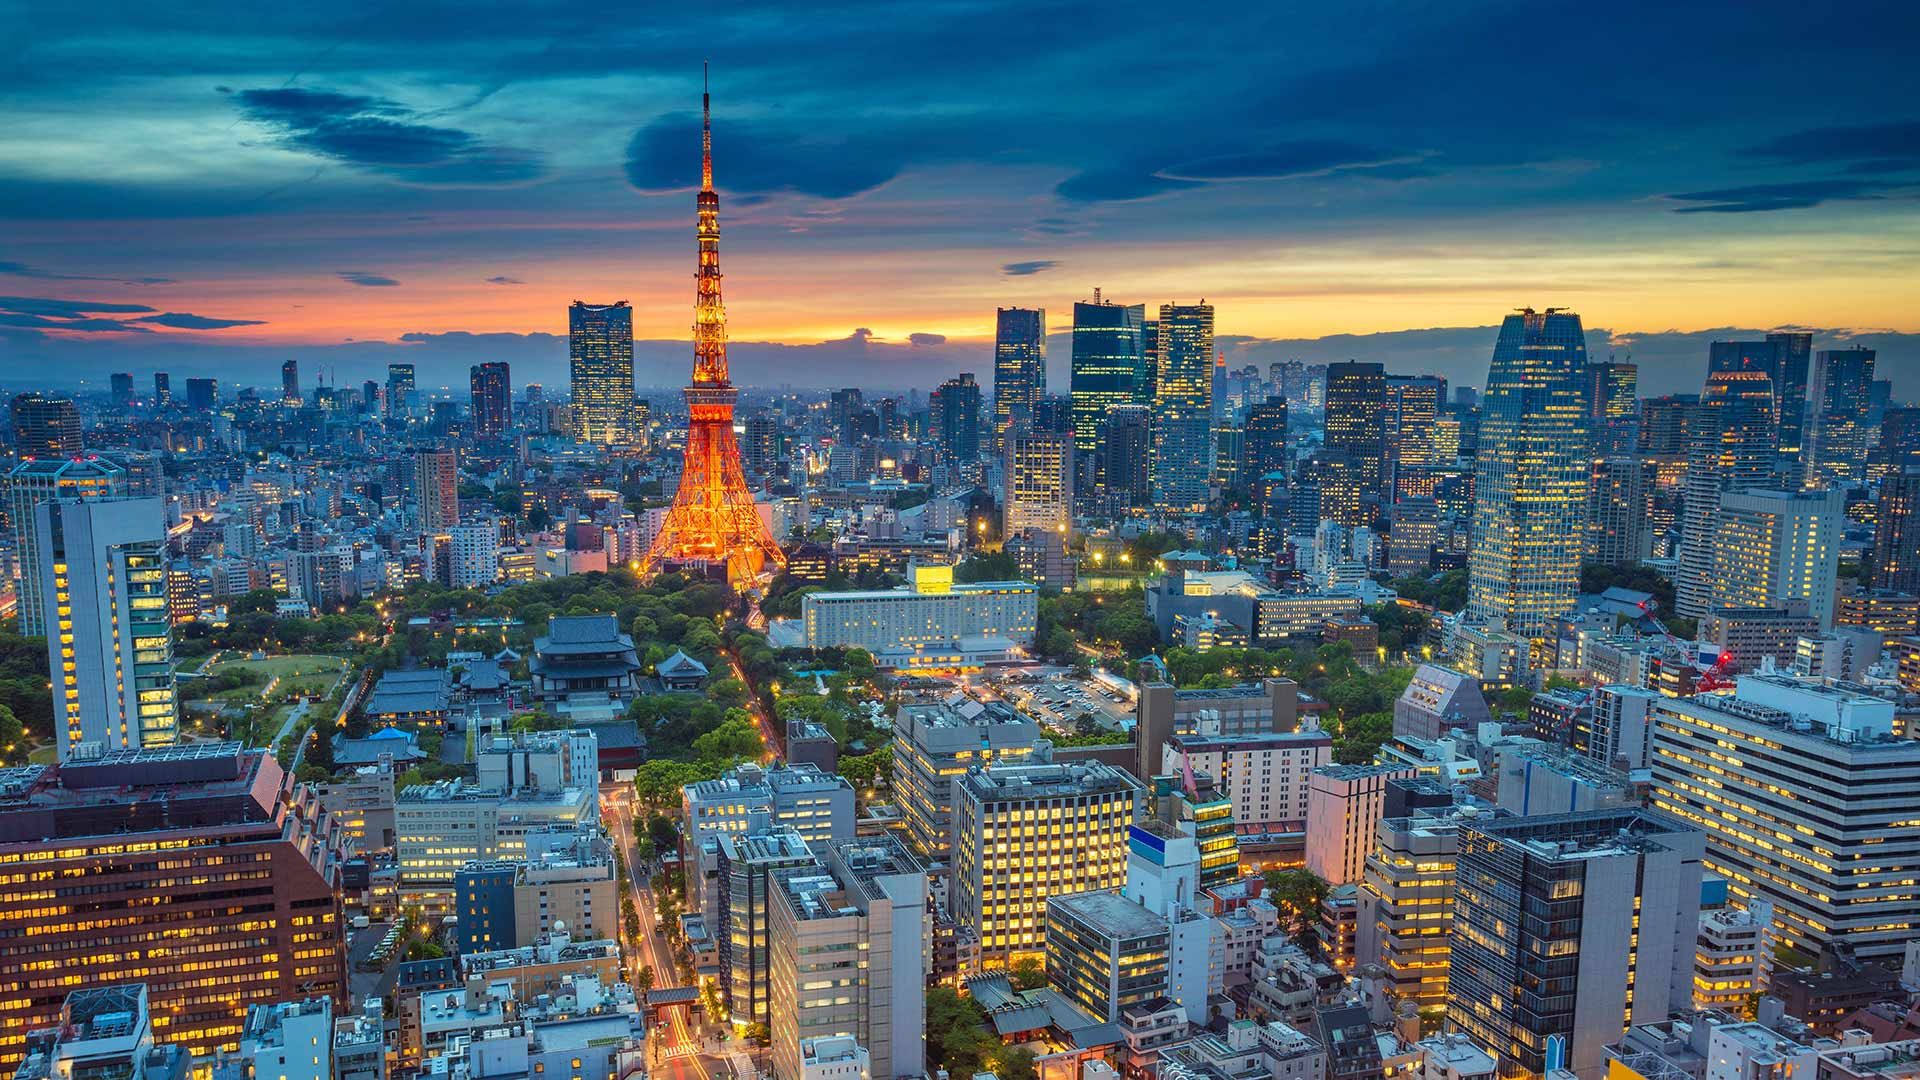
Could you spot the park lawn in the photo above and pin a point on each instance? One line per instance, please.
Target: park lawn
(286, 667)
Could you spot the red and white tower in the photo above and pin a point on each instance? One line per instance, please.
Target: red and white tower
(713, 517)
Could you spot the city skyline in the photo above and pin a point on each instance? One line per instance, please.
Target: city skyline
(381, 196)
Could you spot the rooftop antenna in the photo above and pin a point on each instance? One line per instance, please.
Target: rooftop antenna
(706, 132)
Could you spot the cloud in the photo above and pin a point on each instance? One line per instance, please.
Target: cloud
(361, 277)
(1796, 195)
(756, 159)
(1025, 269)
(1118, 185)
(382, 136)
(504, 280)
(18, 269)
(1310, 157)
(41, 322)
(1871, 148)
(927, 339)
(66, 309)
(181, 320)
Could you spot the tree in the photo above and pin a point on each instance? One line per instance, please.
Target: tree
(956, 1031)
(1299, 895)
(736, 737)
(13, 737)
(1360, 737)
(1012, 1063)
(1027, 973)
(868, 770)
(645, 978)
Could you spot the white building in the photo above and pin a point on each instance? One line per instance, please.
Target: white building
(1266, 775)
(1774, 546)
(1344, 807)
(473, 559)
(937, 623)
(288, 1040)
(834, 1057)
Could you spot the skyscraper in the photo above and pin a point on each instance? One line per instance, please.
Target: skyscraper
(400, 391)
(1408, 417)
(1568, 929)
(203, 394)
(1126, 455)
(436, 490)
(1264, 444)
(1146, 383)
(102, 565)
(31, 483)
(1019, 369)
(162, 390)
(1896, 539)
(1732, 447)
(1837, 398)
(954, 415)
(1531, 476)
(1182, 462)
(45, 426)
(491, 386)
(1792, 358)
(1619, 509)
(122, 384)
(1356, 420)
(600, 351)
(1039, 472)
(290, 381)
(1774, 547)
(760, 446)
(1613, 400)
(1108, 351)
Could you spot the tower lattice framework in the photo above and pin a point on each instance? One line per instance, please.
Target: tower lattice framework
(713, 517)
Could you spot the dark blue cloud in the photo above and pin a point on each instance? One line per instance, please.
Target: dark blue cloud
(1282, 160)
(1864, 148)
(18, 269)
(1118, 185)
(755, 159)
(181, 320)
(383, 136)
(363, 278)
(1759, 198)
(925, 340)
(66, 309)
(1032, 266)
(504, 280)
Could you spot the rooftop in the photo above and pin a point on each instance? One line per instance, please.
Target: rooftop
(1108, 913)
(1002, 782)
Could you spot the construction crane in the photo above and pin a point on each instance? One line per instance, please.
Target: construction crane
(1708, 677)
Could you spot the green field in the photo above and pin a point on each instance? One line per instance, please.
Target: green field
(282, 666)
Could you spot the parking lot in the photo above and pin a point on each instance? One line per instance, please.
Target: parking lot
(1057, 699)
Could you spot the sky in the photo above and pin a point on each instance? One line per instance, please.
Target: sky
(212, 187)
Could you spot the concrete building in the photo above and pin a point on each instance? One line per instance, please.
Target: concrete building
(441, 827)
(937, 624)
(287, 1040)
(1617, 727)
(1816, 817)
(797, 798)
(1104, 952)
(936, 742)
(747, 865)
(1774, 547)
(473, 559)
(1267, 776)
(834, 1058)
(1749, 637)
(1161, 712)
(101, 1031)
(436, 490)
(850, 948)
(1437, 700)
(1406, 899)
(1733, 957)
(1039, 491)
(1022, 833)
(1344, 807)
(1568, 929)
(40, 480)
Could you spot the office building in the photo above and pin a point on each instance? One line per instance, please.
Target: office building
(31, 483)
(746, 867)
(1408, 417)
(203, 394)
(1620, 511)
(440, 828)
(436, 490)
(1406, 897)
(401, 394)
(1264, 444)
(1105, 953)
(1569, 929)
(491, 385)
(1772, 548)
(953, 415)
(103, 582)
(1022, 833)
(1108, 356)
(1530, 480)
(1039, 491)
(1613, 405)
(1019, 370)
(1181, 466)
(1804, 793)
(850, 948)
(760, 443)
(120, 389)
(1162, 712)
(1344, 806)
(1783, 358)
(1616, 728)
(935, 624)
(1896, 538)
(93, 827)
(290, 381)
(45, 426)
(1126, 461)
(600, 362)
(1437, 700)
(935, 742)
(1356, 421)
(1837, 400)
(1266, 775)
(287, 1040)
(1731, 448)
(1733, 958)
(816, 805)
(162, 390)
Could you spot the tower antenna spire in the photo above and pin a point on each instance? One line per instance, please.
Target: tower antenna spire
(706, 132)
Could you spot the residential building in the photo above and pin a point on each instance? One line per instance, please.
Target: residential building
(290, 1040)
(1266, 775)
(1568, 929)
(1896, 540)
(473, 555)
(1022, 833)
(1039, 485)
(1800, 788)
(1531, 477)
(491, 386)
(1406, 898)
(436, 490)
(103, 584)
(1733, 957)
(600, 357)
(31, 483)
(1182, 460)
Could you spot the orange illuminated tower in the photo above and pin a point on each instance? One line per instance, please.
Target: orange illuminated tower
(713, 518)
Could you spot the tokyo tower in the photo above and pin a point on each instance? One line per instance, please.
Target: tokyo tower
(712, 518)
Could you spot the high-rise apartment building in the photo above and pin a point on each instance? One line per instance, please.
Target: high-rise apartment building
(120, 385)
(600, 355)
(197, 870)
(401, 393)
(436, 490)
(1531, 478)
(102, 565)
(1837, 400)
(760, 443)
(1356, 420)
(1127, 455)
(492, 390)
(290, 381)
(850, 944)
(1039, 479)
(162, 390)
(1022, 833)
(45, 426)
(1569, 929)
(1732, 444)
(935, 742)
(1108, 354)
(1771, 548)
(1613, 405)
(1408, 416)
(1805, 792)
(1896, 538)
(31, 483)
(1182, 462)
(1619, 510)
(953, 410)
(1019, 370)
